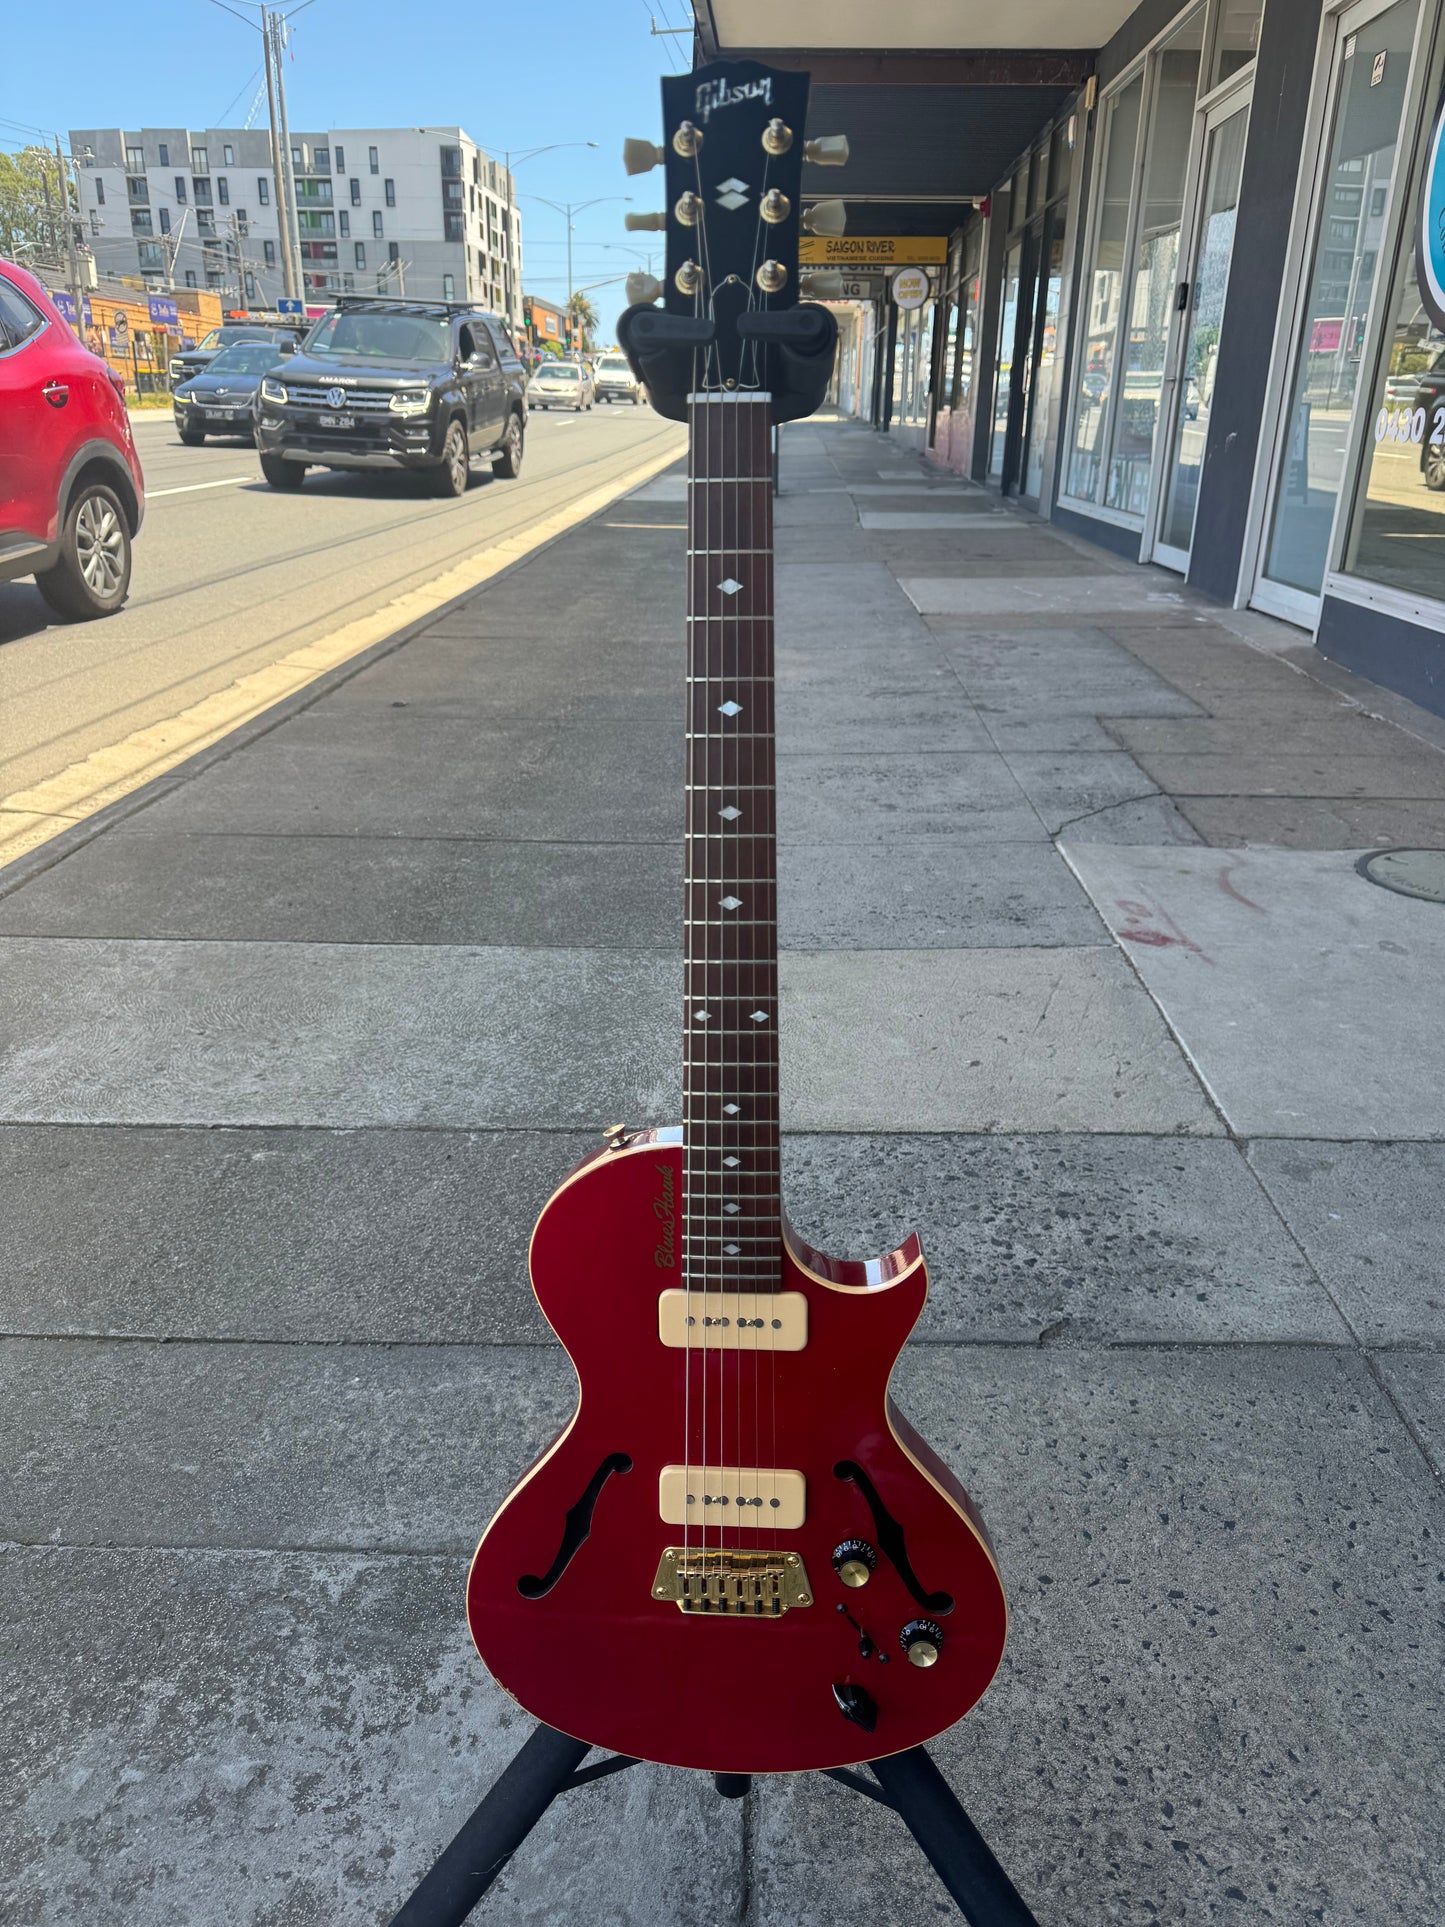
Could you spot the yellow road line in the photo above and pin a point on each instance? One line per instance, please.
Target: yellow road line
(31, 817)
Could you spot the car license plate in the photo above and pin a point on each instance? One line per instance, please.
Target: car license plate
(221, 414)
(337, 421)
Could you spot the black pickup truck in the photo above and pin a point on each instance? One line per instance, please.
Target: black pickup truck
(388, 382)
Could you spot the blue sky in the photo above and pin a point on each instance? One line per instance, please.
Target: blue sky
(512, 76)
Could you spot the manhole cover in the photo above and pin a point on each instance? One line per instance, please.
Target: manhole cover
(1410, 873)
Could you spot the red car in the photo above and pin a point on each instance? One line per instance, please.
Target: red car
(71, 491)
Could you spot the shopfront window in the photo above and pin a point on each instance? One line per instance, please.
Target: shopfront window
(1103, 292)
(1008, 322)
(1369, 96)
(1236, 40)
(1398, 537)
(1155, 277)
(1051, 290)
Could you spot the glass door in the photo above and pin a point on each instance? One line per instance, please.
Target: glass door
(1045, 349)
(1008, 322)
(1203, 291)
(1368, 83)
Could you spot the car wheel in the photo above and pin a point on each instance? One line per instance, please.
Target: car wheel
(281, 473)
(507, 462)
(192, 437)
(450, 479)
(93, 573)
(1434, 468)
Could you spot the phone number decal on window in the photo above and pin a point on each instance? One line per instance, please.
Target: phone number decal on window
(1408, 425)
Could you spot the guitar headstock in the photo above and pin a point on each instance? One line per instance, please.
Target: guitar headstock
(732, 156)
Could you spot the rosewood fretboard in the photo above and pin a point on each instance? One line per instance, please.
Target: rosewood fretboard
(731, 1204)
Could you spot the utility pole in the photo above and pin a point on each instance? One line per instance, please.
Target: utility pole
(288, 167)
(72, 252)
(288, 262)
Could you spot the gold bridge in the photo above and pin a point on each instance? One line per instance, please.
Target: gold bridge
(741, 1584)
(753, 1321)
(732, 1495)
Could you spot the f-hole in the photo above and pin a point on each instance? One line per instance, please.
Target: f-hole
(891, 1542)
(575, 1528)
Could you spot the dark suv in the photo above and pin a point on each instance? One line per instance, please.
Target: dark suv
(190, 361)
(395, 383)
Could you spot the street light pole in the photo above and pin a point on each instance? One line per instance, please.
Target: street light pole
(514, 293)
(568, 209)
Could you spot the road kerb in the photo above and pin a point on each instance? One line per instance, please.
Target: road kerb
(31, 817)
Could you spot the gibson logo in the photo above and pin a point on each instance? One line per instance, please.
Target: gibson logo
(717, 93)
(664, 1252)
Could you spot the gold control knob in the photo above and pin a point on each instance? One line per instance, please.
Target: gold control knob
(922, 1642)
(853, 1561)
(777, 137)
(616, 1136)
(687, 140)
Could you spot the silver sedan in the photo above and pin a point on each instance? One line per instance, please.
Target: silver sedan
(560, 384)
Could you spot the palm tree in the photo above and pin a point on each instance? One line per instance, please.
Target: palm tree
(584, 318)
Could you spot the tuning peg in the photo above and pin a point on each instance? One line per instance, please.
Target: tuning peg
(775, 206)
(772, 277)
(688, 209)
(640, 157)
(688, 278)
(822, 286)
(687, 140)
(829, 150)
(644, 223)
(643, 289)
(777, 137)
(825, 217)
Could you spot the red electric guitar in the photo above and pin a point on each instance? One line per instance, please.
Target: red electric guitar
(738, 1555)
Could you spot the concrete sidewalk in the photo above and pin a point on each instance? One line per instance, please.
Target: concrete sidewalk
(1081, 980)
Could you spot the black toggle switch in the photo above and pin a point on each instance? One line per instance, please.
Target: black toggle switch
(856, 1705)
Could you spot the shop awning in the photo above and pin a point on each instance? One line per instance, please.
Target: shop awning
(753, 25)
(934, 104)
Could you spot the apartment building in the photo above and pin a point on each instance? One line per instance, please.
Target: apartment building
(414, 210)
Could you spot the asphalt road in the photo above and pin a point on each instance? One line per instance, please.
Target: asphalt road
(231, 576)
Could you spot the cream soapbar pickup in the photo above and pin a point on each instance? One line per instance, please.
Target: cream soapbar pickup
(755, 1497)
(765, 1321)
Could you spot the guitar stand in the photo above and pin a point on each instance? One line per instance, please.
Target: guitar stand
(551, 1763)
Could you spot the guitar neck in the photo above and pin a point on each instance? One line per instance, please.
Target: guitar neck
(732, 1206)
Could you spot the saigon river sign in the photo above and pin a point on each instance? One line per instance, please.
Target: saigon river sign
(872, 250)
